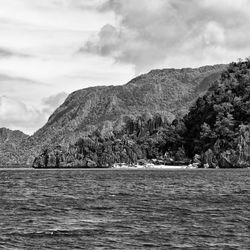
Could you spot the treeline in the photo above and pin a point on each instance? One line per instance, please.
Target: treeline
(216, 129)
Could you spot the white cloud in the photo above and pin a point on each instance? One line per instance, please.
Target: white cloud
(214, 34)
(151, 33)
(14, 114)
(51, 103)
(55, 100)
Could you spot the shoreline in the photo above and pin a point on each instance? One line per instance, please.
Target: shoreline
(178, 168)
(111, 168)
(150, 166)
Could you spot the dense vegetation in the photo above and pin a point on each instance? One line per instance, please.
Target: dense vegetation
(9, 146)
(216, 128)
(144, 138)
(218, 124)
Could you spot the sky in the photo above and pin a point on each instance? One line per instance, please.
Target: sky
(50, 48)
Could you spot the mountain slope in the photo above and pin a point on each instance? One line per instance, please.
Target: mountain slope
(218, 125)
(168, 92)
(9, 145)
(215, 133)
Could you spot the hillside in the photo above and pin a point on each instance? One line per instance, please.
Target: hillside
(168, 92)
(218, 125)
(215, 133)
(140, 140)
(9, 145)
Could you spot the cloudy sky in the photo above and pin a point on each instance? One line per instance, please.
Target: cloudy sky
(49, 48)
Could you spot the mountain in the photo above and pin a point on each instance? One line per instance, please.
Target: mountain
(218, 125)
(215, 133)
(9, 145)
(168, 92)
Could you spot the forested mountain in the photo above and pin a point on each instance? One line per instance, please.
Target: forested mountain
(218, 125)
(167, 92)
(217, 129)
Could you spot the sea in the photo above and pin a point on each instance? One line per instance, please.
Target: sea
(125, 209)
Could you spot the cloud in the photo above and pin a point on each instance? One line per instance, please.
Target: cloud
(20, 80)
(67, 4)
(155, 32)
(9, 53)
(5, 53)
(54, 101)
(14, 114)
(26, 90)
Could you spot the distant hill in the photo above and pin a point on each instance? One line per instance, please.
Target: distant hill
(168, 92)
(9, 145)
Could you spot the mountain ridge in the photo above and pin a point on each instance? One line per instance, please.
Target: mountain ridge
(168, 92)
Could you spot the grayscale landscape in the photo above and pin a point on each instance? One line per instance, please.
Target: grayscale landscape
(124, 124)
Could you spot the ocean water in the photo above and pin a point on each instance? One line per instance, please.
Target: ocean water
(125, 209)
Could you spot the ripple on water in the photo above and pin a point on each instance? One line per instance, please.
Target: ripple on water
(125, 209)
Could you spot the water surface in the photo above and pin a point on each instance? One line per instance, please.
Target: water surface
(122, 209)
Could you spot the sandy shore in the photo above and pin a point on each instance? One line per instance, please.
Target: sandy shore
(149, 166)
